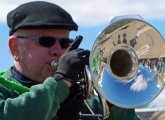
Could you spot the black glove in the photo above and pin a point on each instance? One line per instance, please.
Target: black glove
(72, 62)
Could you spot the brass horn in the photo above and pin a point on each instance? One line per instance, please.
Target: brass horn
(127, 63)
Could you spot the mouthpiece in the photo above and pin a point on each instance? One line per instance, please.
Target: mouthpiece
(54, 65)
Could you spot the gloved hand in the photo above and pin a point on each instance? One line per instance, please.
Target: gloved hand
(72, 62)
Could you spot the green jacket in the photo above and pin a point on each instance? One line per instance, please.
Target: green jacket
(42, 101)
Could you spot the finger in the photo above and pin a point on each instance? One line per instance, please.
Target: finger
(84, 56)
(76, 43)
(84, 53)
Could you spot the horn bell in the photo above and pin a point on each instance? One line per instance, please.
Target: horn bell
(127, 63)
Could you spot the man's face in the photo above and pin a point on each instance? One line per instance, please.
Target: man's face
(34, 59)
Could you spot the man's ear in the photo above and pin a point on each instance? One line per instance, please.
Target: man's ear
(13, 46)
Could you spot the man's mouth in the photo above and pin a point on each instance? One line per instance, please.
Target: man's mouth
(54, 65)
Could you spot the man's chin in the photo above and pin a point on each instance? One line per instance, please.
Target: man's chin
(50, 74)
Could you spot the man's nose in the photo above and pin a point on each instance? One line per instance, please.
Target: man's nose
(56, 49)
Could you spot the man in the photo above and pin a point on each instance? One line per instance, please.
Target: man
(34, 90)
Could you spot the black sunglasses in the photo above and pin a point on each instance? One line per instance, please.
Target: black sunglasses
(48, 41)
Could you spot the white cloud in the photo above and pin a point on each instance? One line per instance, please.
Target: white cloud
(95, 12)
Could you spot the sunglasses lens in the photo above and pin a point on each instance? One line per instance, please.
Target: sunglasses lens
(65, 43)
(47, 41)
(50, 41)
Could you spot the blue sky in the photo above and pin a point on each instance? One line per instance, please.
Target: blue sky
(91, 15)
